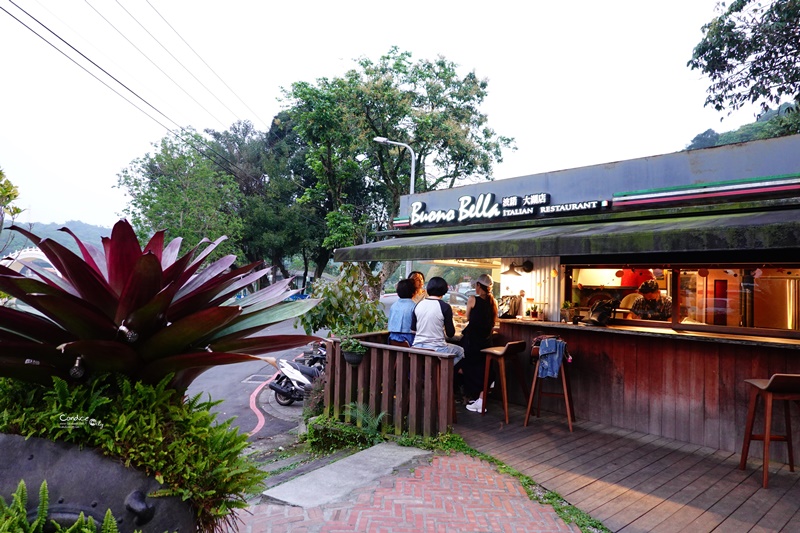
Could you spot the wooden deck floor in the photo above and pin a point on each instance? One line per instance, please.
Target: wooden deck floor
(637, 482)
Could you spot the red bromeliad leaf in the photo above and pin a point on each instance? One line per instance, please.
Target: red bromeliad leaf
(267, 317)
(17, 325)
(18, 285)
(229, 289)
(207, 274)
(89, 283)
(122, 251)
(90, 254)
(34, 353)
(156, 245)
(143, 285)
(276, 289)
(184, 333)
(74, 315)
(112, 311)
(262, 345)
(170, 253)
(104, 356)
(217, 293)
(32, 373)
(152, 316)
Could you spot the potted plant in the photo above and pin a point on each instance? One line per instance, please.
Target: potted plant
(533, 311)
(567, 311)
(352, 350)
(345, 310)
(99, 359)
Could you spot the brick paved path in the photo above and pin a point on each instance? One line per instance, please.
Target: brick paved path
(451, 494)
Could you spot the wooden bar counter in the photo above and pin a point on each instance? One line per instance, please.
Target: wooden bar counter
(687, 386)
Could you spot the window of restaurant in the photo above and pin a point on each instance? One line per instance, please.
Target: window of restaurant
(725, 297)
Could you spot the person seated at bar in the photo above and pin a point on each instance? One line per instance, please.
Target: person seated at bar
(433, 321)
(651, 305)
(419, 286)
(402, 313)
(481, 316)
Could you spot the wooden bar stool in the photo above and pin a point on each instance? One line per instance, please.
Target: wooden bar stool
(784, 387)
(499, 354)
(565, 393)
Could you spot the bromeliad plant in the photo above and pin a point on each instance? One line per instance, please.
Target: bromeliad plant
(146, 312)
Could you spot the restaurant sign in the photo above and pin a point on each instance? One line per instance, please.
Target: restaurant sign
(486, 206)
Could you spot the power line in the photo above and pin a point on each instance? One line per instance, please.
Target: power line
(265, 123)
(177, 61)
(93, 63)
(154, 64)
(187, 139)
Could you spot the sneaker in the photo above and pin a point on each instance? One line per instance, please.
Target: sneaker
(476, 406)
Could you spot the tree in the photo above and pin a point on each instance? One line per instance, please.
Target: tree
(425, 105)
(704, 140)
(751, 53)
(179, 190)
(8, 193)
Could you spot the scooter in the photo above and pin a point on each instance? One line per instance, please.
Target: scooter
(295, 380)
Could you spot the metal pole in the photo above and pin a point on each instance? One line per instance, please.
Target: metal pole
(384, 140)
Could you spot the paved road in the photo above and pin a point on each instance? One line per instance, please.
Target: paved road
(245, 396)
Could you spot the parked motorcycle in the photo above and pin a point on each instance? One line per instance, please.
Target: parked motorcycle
(295, 380)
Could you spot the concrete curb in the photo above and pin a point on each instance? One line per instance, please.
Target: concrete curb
(335, 482)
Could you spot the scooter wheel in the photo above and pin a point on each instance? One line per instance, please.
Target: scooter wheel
(283, 400)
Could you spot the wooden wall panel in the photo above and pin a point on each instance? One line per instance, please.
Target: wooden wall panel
(655, 393)
(711, 408)
(686, 389)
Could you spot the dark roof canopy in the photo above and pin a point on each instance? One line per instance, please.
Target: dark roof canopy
(740, 232)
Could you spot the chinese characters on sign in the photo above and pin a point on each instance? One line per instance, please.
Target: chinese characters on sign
(487, 207)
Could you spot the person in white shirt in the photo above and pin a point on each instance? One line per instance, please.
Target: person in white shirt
(433, 321)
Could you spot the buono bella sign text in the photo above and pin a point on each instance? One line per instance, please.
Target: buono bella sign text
(486, 207)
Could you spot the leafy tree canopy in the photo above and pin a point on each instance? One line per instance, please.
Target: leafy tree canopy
(426, 105)
(773, 123)
(8, 193)
(179, 190)
(751, 53)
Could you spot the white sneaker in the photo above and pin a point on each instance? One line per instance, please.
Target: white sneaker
(476, 406)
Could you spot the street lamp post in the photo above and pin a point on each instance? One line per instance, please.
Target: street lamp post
(384, 140)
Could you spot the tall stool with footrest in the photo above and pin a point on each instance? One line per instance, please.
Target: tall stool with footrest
(552, 352)
(499, 355)
(784, 387)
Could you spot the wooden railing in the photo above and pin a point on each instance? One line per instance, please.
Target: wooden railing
(413, 387)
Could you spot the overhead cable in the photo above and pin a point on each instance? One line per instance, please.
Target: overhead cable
(178, 61)
(265, 123)
(178, 85)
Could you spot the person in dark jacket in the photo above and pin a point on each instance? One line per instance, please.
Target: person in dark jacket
(481, 317)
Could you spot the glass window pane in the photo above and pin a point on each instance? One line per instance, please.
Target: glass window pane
(740, 297)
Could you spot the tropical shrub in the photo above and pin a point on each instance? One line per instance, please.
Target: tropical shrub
(14, 516)
(179, 443)
(143, 312)
(344, 306)
(117, 334)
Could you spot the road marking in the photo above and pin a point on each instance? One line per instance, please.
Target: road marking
(254, 407)
(256, 378)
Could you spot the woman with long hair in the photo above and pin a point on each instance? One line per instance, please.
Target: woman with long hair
(481, 316)
(419, 286)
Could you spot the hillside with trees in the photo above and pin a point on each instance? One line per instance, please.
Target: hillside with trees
(86, 232)
(751, 55)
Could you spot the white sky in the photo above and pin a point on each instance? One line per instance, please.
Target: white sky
(576, 83)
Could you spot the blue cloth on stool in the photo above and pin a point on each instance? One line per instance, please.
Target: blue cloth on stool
(551, 353)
